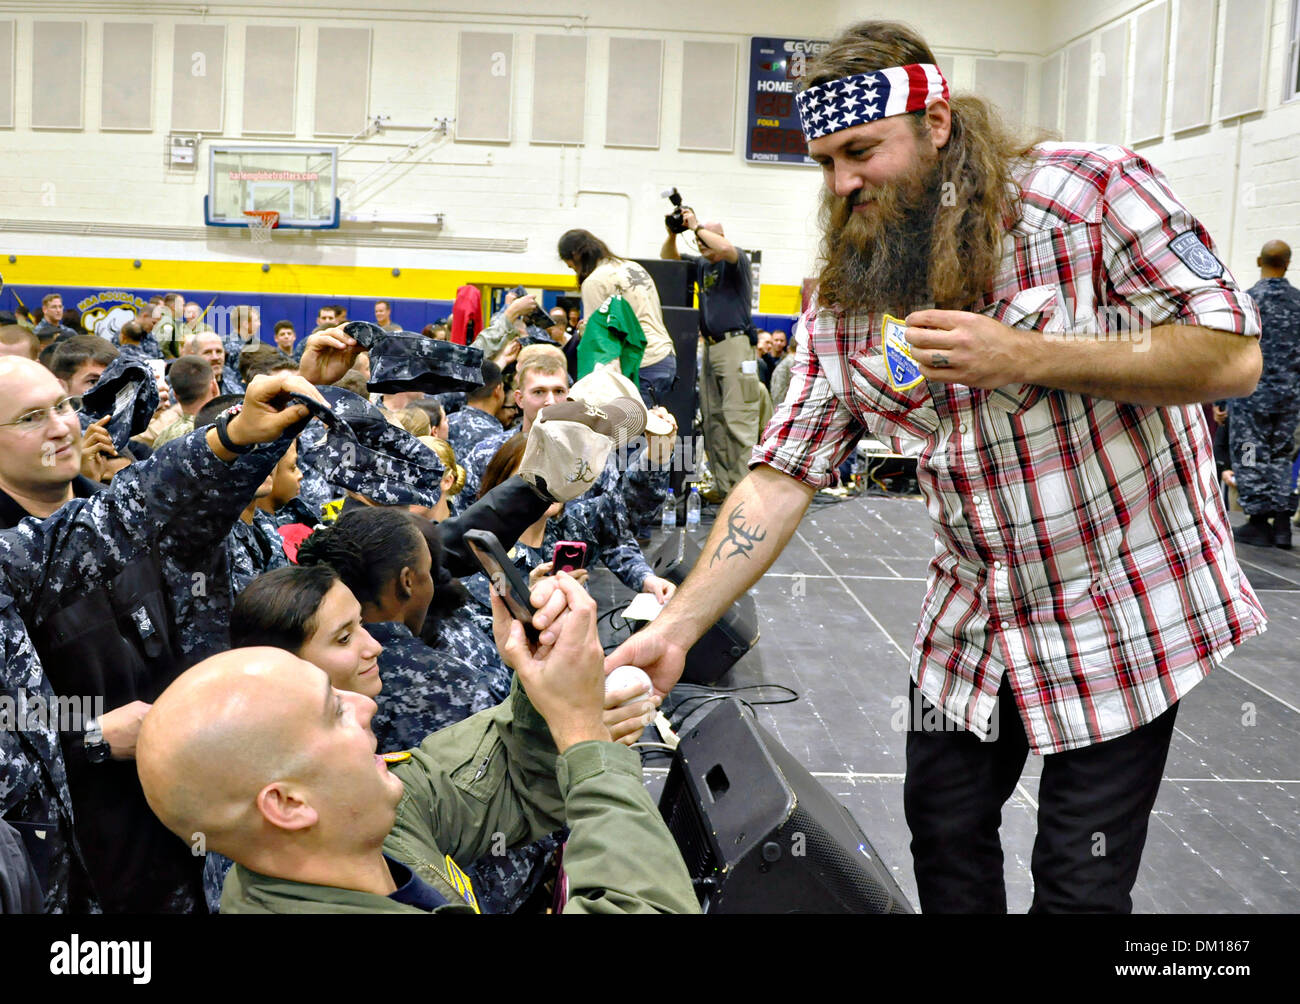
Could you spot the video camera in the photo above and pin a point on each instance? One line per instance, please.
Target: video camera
(676, 223)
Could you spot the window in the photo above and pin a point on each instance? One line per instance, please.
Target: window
(1291, 88)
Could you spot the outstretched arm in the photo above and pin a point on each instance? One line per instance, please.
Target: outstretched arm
(507, 511)
(190, 482)
(754, 525)
(542, 760)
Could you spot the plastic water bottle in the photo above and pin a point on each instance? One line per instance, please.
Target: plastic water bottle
(693, 508)
(670, 511)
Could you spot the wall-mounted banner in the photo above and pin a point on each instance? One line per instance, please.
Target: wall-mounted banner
(96, 306)
(775, 135)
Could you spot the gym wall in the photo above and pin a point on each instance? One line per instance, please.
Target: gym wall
(1201, 88)
(92, 151)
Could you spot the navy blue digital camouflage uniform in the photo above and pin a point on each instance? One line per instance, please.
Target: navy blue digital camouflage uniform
(603, 522)
(424, 689)
(253, 548)
(314, 490)
(139, 352)
(365, 453)
(503, 882)
(469, 427)
(45, 564)
(296, 510)
(465, 632)
(475, 461)
(1261, 427)
(46, 331)
(644, 489)
(230, 382)
(148, 348)
(452, 401)
(202, 587)
(234, 346)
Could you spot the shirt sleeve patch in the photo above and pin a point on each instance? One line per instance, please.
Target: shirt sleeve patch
(1196, 256)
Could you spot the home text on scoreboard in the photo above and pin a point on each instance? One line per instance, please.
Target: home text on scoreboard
(774, 134)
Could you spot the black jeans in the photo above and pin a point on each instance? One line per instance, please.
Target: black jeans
(1094, 806)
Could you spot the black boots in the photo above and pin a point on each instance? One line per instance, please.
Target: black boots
(1256, 531)
(1259, 532)
(1282, 529)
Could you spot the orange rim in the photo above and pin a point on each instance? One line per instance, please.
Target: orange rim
(269, 217)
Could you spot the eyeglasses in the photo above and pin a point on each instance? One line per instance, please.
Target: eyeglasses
(35, 419)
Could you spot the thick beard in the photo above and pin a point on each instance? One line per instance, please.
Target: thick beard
(879, 260)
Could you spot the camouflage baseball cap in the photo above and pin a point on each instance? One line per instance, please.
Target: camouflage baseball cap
(363, 452)
(128, 391)
(402, 360)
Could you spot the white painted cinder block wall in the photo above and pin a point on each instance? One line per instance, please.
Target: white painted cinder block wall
(486, 190)
(1241, 177)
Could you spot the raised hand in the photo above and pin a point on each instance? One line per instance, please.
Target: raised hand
(329, 354)
(264, 415)
(563, 674)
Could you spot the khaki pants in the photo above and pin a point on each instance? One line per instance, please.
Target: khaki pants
(731, 406)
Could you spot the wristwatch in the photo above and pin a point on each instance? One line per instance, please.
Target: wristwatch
(224, 437)
(97, 750)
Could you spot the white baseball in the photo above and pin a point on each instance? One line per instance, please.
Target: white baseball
(623, 677)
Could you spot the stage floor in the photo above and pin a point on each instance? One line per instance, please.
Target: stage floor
(838, 614)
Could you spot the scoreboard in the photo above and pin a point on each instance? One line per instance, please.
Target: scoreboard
(774, 134)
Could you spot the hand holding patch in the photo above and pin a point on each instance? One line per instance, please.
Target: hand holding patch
(954, 346)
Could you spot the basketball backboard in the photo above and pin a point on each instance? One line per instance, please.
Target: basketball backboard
(300, 183)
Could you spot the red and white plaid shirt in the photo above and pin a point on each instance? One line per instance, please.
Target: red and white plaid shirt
(1081, 544)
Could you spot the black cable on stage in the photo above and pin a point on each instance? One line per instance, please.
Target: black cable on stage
(679, 724)
(611, 613)
(710, 695)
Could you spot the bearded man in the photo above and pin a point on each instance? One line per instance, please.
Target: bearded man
(1063, 315)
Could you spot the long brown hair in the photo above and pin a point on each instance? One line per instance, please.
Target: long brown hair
(504, 463)
(975, 168)
(585, 250)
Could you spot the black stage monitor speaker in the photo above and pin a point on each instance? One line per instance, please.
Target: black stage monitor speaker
(759, 834)
(735, 633)
(674, 279)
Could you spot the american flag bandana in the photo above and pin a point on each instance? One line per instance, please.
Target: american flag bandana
(866, 97)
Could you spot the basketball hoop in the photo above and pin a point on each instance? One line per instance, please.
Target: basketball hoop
(260, 224)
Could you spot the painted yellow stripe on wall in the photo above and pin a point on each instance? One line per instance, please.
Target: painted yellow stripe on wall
(300, 280)
(780, 299)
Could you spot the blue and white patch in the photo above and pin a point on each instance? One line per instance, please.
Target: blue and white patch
(1196, 256)
(904, 373)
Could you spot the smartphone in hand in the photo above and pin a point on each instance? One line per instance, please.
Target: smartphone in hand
(568, 556)
(507, 581)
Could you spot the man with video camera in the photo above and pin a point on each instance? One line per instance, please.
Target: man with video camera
(730, 389)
